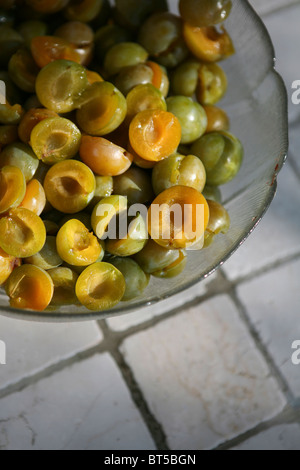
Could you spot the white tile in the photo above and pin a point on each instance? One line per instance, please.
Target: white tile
(202, 376)
(272, 302)
(295, 146)
(284, 437)
(30, 346)
(277, 235)
(266, 6)
(284, 31)
(85, 407)
(123, 322)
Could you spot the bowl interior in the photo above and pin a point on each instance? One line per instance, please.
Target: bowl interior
(257, 105)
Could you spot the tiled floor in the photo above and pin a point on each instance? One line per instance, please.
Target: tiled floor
(211, 369)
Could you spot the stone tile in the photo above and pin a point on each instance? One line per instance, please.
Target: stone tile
(85, 407)
(272, 302)
(286, 48)
(267, 6)
(295, 145)
(30, 346)
(284, 437)
(123, 322)
(202, 376)
(277, 235)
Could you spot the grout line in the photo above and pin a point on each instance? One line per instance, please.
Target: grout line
(154, 427)
(264, 269)
(274, 369)
(113, 340)
(288, 415)
(110, 337)
(32, 379)
(291, 413)
(116, 337)
(220, 285)
(110, 345)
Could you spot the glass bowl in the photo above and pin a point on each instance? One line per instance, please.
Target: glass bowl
(257, 105)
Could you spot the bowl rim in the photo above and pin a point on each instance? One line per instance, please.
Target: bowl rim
(61, 317)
